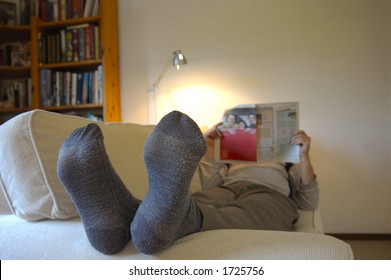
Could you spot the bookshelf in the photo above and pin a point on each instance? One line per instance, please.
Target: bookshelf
(100, 68)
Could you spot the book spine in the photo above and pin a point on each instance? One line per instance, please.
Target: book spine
(90, 88)
(54, 7)
(74, 89)
(57, 47)
(79, 94)
(94, 87)
(85, 88)
(67, 88)
(68, 45)
(63, 48)
(92, 41)
(75, 9)
(100, 85)
(80, 8)
(97, 42)
(43, 87)
(75, 43)
(63, 9)
(81, 43)
(88, 6)
(87, 42)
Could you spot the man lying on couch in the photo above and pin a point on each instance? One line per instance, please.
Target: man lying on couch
(243, 197)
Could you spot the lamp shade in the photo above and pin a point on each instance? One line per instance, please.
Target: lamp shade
(178, 59)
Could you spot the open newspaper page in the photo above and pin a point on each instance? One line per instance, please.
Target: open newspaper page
(259, 133)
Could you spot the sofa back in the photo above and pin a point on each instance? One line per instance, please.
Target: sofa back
(29, 145)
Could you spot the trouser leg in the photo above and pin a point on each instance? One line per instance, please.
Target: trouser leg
(245, 206)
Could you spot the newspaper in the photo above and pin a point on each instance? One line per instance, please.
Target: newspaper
(259, 133)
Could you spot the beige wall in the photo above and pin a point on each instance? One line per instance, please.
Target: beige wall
(332, 56)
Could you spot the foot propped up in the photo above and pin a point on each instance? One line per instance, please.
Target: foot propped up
(171, 153)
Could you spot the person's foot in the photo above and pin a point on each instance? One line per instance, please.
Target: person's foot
(105, 205)
(172, 153)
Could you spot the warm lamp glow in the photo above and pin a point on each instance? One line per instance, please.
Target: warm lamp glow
(204, 103)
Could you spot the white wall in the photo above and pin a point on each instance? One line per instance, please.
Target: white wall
(329, 55)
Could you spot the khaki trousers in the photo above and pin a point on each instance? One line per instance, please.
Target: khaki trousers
(245, 206)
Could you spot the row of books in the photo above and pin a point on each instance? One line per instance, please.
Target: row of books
(15, 54)
(66, 88)
(15, 93)
(27, 9)
(52, 10)
(20, 12)
(74, 43)
(17, 12)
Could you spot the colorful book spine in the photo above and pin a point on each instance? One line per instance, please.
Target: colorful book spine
(51, 10)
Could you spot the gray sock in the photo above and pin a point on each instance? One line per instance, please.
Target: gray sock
(171, 153)
(105, 206)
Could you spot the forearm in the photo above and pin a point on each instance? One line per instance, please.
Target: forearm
(307, 172)
(210, 135)
(306, 195)
(211, 147)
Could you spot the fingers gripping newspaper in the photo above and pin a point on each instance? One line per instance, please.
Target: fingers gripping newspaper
(259, 133)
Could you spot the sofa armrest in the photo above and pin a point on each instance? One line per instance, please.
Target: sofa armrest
(309, 221)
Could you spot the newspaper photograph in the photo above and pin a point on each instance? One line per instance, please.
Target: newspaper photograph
(259, 133)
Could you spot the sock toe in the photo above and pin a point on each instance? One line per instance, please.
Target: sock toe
(105, 205)
(171, 153)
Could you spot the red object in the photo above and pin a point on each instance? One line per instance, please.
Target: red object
(240, 145)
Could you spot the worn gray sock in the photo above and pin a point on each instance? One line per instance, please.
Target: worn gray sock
(105, 206)
(171, 153)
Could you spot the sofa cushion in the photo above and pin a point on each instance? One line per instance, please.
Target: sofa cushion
(29, 145)
(54, 239)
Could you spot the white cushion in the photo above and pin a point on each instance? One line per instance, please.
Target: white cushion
(54, 239)
(29, 146)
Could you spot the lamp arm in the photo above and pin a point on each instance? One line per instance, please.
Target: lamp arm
(162, 73)
(155, 92)
(179, 59)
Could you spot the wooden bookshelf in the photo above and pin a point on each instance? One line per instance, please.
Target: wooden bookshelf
(107, 20)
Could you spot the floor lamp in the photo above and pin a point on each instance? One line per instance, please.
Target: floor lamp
(176, 59)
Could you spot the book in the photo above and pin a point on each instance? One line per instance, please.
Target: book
(73, 89)
(259, 133)
(77, 44)
(68, 45)
(88, 7)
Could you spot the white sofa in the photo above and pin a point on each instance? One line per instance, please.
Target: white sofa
(39, 221)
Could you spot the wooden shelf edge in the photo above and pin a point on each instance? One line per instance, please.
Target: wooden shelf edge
(53, 108)
(75, 64)
(72, 107)
(25, 28)
(65, 23)
(15, 68)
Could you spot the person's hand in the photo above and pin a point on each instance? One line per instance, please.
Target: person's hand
(307, 172)
(304, 141)
(213, 132)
